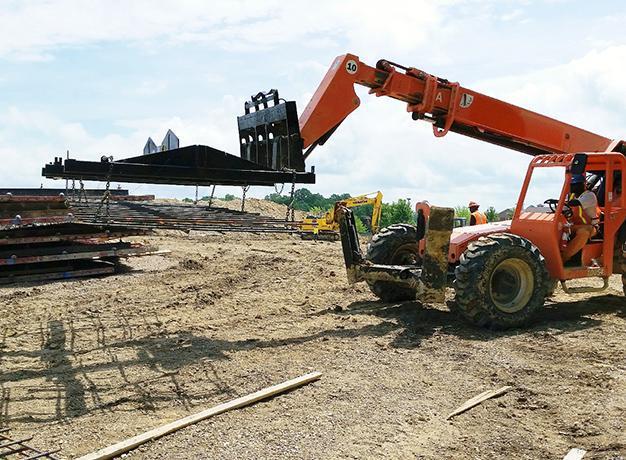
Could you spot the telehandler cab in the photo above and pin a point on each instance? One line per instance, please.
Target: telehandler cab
(502, 272)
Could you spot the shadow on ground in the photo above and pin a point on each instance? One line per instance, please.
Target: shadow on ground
(76, 392)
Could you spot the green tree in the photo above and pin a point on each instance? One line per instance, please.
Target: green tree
(492, 214)
(304, 200)
(229, 197)
(317, 211)
(462, 211)
(360, 226)
(397, 212)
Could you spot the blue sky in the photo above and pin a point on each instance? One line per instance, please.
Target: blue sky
(99, 77)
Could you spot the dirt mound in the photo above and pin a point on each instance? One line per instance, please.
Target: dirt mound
(263, 207)
(253, 205)
(190, 264)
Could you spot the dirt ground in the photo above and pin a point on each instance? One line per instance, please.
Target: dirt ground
(86, 363)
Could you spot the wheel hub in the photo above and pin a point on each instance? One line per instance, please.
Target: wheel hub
(511, 285)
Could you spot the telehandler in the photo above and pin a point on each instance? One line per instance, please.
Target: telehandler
(502, 272)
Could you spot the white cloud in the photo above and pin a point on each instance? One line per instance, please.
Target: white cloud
(379, 146)
(29, 28)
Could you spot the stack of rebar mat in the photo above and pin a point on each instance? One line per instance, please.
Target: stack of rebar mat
(17, 448)
(41, 239)
(173, 216)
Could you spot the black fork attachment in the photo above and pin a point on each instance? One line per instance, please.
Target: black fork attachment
(429, 279)
(269, 132)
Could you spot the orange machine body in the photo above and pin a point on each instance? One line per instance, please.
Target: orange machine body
(545, 229)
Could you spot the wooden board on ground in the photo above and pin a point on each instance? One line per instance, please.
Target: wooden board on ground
(131, 443)
(476, 400)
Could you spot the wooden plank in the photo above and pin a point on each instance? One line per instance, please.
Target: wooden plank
(575, 454)
(131, 443)
(476, 400)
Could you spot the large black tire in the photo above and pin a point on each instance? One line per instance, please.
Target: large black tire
(394, 245)
(501, 281)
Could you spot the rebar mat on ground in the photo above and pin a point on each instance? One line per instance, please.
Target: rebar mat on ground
(182, 217)
(18, 449)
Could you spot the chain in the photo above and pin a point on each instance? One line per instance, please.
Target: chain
(279, 192)
(290, 209)
(73, 190)
(82, 193)
(196, 202)
(245, 189)
(106, 197)
(211, 197)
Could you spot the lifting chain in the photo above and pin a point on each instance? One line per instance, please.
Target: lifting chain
(82, 192)
(290, 210)
(106, 197)
(211, 197)
(73, 190)
(245, 189)
(196, 200)
(279, 192)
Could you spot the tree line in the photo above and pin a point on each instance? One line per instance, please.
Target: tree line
(399, 211)
(316, 204)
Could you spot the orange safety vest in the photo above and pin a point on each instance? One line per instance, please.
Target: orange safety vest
(479, 218)
(580, 216)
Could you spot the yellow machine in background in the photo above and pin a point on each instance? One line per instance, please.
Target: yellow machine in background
(327, 228)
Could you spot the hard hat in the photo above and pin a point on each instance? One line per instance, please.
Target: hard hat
(473, 204)
(578, 179)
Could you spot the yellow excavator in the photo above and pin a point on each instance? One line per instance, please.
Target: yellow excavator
(326, 227)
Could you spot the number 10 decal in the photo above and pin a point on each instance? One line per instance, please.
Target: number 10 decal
(351, 67)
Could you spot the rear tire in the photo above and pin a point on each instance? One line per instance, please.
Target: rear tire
(501, 281)
(394, 245)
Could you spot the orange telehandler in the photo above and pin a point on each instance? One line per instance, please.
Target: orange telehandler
(501, 272)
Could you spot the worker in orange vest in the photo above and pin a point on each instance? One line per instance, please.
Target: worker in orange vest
(476, 217)
(585, 217)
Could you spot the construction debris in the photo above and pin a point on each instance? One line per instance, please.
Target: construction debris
(131, 443)
(18, 449)
(476, 400)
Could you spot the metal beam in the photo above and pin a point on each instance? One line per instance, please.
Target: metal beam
(193, 165)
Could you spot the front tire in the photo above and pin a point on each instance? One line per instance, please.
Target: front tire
(501, 281)
(394, 245)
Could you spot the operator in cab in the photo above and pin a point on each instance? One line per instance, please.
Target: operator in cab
(585, 216)
(476, 217)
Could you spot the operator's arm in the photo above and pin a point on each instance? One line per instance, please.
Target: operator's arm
(448, 106)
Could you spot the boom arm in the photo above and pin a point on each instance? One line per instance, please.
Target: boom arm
(448, 106)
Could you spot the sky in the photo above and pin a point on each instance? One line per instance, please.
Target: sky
(99, 77)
